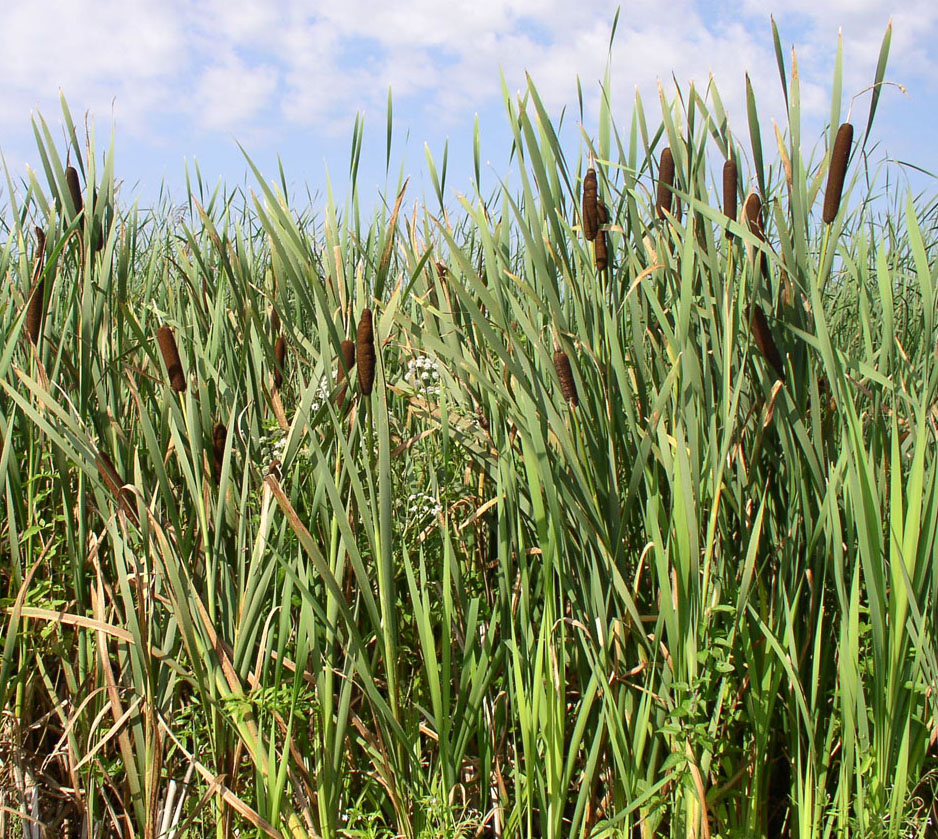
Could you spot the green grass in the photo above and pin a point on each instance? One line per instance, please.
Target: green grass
(698, 603)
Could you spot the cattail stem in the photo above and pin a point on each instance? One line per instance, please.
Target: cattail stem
(840, 156)
(167, 342)
(365, 352)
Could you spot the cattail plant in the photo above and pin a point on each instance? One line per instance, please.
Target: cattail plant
(219, 436)
(730, 190)
(280, 357)
(346, 363)
(838, 170)
(763, 338)
(36, 310)
(97, 230)
(365, 352)
(753, 212)
(167, 342)
(665, 182)
(565, 374)
(590, 205)
(74, 189)
(274, 321)
(601, 242)
(116, 485)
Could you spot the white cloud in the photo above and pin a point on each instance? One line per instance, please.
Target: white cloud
(221, 66)
(230, 93)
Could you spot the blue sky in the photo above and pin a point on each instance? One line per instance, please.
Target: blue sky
(178, 80)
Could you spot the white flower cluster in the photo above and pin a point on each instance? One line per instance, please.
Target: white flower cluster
(272, 444)
(421, 506)
(279, 447)
(423, 374)
(322, 394)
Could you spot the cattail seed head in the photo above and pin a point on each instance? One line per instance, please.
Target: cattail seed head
(365, 352)
(837, 172)
(348, 359)
(601, 251)
(346, 363)
(74, 188)
(590, 215)
(219, 435)
(97, 231)
(753, 210)
(601, 242)
(665, 182)
(602, 214)
(36, 310)
(565, 374)
(280, 357)
(115, 485)
(763, 338)
(167, 342)
(274, 322)
(730, 190)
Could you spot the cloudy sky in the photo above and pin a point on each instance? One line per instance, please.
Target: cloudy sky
(178, 80)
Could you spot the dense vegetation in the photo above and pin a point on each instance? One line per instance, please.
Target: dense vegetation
(643, 549)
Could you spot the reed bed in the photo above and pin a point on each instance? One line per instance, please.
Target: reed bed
(700, 603)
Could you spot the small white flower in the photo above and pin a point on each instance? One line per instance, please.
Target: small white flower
(322, 394)
(423, 374)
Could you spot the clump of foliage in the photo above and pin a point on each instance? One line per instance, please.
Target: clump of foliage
(629, 540)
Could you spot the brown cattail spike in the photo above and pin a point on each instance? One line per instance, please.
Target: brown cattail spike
(115, 485)
(730, 190)
(753, 211)
(754, 216)
(601, 251)
(280, 356)
(219, 435)
(274, 322)
(36, 310)
(74, 188)
(97, 230)
(601, 242)
(763, 338)
(365, 352)
(665, 182)
(346, 363)
(590, 214)
(565, 374)
(837, 172)
(177, 378)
